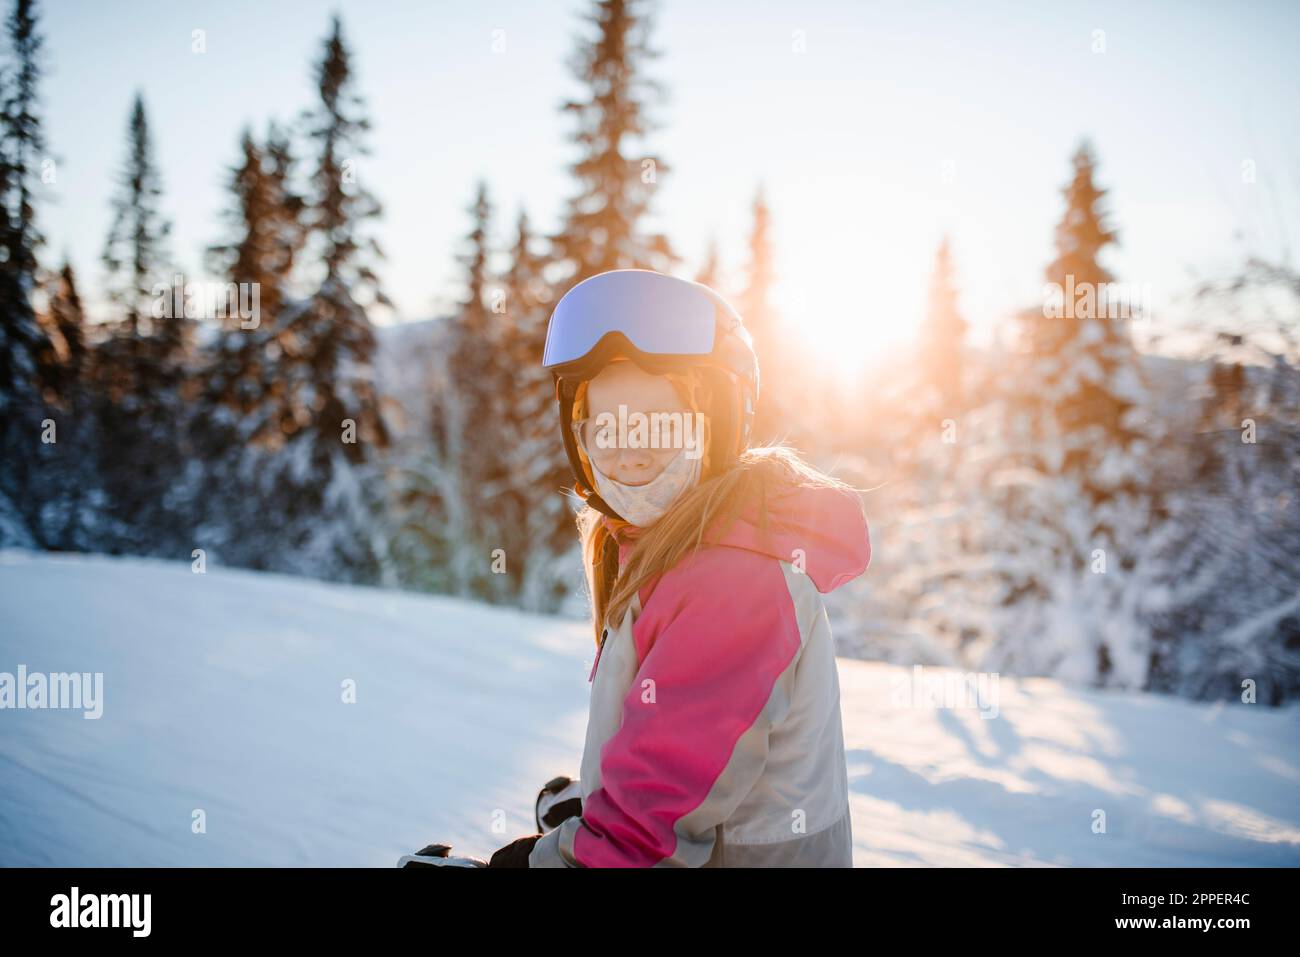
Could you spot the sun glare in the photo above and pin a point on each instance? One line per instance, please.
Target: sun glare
(822, 307)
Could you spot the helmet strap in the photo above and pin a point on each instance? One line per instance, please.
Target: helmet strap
(728, 407)
(565, 390)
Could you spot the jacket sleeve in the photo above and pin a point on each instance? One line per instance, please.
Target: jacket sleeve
(722, 642)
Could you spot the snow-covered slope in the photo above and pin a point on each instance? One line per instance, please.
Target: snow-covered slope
(224, 692)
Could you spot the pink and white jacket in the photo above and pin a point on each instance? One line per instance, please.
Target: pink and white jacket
(714, 737)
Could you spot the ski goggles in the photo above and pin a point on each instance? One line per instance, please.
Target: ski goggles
(654, 314)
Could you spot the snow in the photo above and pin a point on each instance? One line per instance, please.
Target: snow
(223, 692)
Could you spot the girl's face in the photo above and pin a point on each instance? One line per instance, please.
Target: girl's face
(627, 384)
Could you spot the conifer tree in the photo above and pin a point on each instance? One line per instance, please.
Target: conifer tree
(708, 272)
(323, 477)
(943, 334)
(1085, 364)
(473, 412)
(444, 536)
(1037, 541)
(265, 218)
(247, 408)
(542, 524)
(602, 225)
(24, 144)
(1070, 469)
(775, 418)
(69, 475)
(66, 325)
(142, 366)
(25, 346)
(134, 255)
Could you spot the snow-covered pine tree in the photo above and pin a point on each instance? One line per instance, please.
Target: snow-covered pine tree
(265, 220)
(601, 230)
(489, 478)
(778, 415)
(1085, 357)
(245, 402)
(469, 421)
(928, 552)
(539, 468)
(422, 482)
(798, 404)
(24, 141)
(142, 366)
(135, 253)
(24, 344)
(602, 224)
(324, 491)
(442, 481)
(934, 391)
(928, 396)
(69, 475)
(65, 324)
(943, 338)
(1073, 526)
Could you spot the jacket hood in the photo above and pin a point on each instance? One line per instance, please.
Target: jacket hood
(819, 528)
(822, 529)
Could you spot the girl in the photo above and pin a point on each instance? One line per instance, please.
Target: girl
(714, 737)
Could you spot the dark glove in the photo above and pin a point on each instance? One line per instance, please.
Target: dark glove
(514, 854)
(438, 855)
(559, 799)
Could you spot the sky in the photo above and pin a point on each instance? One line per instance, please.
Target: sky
(875, 128)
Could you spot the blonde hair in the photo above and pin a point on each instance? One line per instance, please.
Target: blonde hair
(701, 516)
